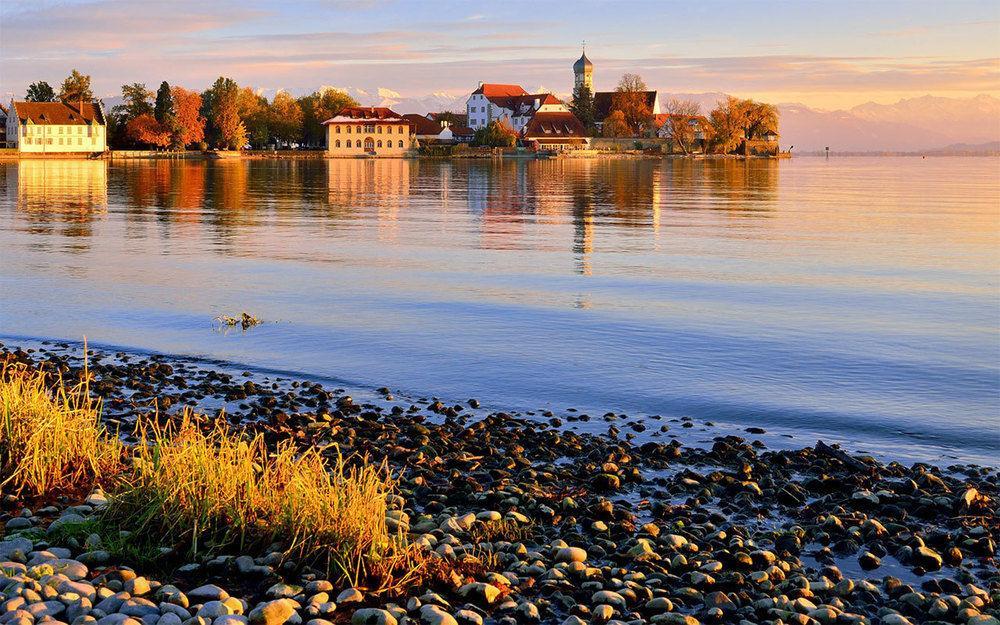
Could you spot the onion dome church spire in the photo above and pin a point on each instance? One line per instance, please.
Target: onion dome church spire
(583, 71)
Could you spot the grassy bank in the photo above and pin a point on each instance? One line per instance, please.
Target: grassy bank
(194, 491)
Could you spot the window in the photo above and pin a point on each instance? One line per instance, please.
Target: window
(400, 143)
(79, 140)
(338, 130)
(379, 130)
(348, 130)
(357, 143)
(369, 128)
(379, 143)
(337, 144)
(400, 131)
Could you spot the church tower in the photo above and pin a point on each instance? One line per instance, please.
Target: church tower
(583, 72)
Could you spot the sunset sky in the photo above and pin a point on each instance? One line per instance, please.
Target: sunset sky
(827, 55)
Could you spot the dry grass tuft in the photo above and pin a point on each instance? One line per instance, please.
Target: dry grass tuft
(51, 440)
(206, 491)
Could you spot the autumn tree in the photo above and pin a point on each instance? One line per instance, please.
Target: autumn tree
(40, 91)
(735, 120)
(682, 122)
(187, 123)
(146, 130)
(615, 125)
(164, 106)
(220, 105)
(318, 107)
(583, 106)
(255, 115)
(285, 118)
(76, 88)
(497, 134)
(630, 98)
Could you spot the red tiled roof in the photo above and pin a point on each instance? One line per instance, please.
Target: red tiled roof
(58, 113)
(368, 112)
(552, 125)
(422, 125)
(495, 90)
(461, 131)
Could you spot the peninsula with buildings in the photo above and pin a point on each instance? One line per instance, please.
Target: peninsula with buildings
(499, 119)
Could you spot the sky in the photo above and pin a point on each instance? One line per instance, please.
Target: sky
(827, 55)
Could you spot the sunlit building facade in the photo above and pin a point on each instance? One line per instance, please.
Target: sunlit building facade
(368, 131)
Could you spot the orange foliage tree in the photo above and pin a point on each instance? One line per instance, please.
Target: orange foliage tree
(188, 123)
(146, 130)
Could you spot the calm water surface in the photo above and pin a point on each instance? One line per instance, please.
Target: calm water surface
(856, 299)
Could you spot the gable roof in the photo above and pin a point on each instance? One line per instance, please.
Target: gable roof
(58, 113)
(361, 114)
(604, 101)
(422, 125)
(554, 124)
(497, 90)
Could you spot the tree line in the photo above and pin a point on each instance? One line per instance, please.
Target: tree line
(224, 116)
(724, 129)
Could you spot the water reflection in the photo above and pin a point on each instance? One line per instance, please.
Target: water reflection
(244, 206)
(62, 197)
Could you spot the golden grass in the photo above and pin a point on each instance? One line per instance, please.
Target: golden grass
(51, 440)
(203, 492)
(206, 491)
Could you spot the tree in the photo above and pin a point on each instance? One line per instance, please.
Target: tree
(615, 125)
(40, 91)
(285, 118)
(583, 106)
(318, 107)
(254, 113)
(630, 98)
(682, 121)
(735, 121)
(188, 125)
(497, 134)
(220, 105)
(164, 106)
(136, 101)
(144, 129)
(76, 87)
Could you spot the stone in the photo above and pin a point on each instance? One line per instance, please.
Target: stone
(350, 595)
(571, 554)
(372, 616)
(435, 615)
(479, 592)
(137, 587)
(208, 592)
(274, 612)
(468, 617)
(927, 558)
(609, 597)
(213, 609)
(231, 619)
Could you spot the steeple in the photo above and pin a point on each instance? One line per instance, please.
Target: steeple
(583, 71)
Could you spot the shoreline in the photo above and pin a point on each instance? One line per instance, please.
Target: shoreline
(298, 155)
(568, 527)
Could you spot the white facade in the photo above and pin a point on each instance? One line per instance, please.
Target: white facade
(516, 111)
(32, 134)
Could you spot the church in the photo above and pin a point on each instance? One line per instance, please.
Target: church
(583, 74)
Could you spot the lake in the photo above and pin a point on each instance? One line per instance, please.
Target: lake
(854, 299)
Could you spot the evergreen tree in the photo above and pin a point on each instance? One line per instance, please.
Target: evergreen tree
(40, 91)
(583, 106)
(164, 106)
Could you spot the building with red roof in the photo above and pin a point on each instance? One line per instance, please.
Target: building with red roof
(368, 131)
(56, 127)
(555, 131)
(509, 104)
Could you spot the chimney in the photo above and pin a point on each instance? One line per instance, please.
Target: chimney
(481, 84)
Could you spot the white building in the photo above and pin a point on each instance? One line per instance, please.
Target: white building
(56, 127)
(510, 104)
